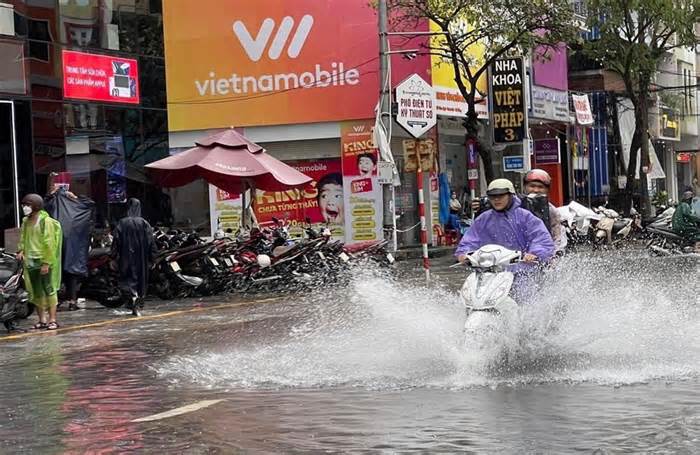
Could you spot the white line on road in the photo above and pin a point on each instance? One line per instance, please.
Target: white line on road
(179, 411)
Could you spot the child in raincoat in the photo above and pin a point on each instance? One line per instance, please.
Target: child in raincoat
(40, 249)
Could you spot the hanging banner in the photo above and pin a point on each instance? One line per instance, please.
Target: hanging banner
(584, 116)
(434, 207)
(508, 101)
(320, 202)
(116, 170)
(361, 188)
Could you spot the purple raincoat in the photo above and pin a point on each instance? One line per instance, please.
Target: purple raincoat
(516, 229)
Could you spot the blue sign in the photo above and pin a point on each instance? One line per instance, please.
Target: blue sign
(513, 163)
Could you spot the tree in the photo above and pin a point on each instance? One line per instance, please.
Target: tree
(495, 28)
(635, 37)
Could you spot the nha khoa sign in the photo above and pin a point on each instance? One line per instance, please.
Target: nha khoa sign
(416, 105)
(508, 114)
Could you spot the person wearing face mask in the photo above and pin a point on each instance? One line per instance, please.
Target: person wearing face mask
(40, 250)
(536, 199)
(509, 225)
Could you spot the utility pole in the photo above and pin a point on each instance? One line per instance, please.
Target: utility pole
(385, 117)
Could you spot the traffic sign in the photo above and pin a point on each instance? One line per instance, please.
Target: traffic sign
(513, 163)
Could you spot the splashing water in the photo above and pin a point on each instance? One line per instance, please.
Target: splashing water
(606, 319)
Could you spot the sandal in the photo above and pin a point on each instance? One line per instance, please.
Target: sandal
(52, 325)
(39, 326)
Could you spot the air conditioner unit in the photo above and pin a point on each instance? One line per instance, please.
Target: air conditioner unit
(112, 37)
(7, 19)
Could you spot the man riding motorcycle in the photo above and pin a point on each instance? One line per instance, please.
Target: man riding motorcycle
(685, 223)
(509, 225)
(535, 200)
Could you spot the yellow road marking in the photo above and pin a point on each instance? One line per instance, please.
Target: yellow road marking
(179, 411)
(135, 319)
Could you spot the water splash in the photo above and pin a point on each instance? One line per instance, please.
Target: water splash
(605, 319)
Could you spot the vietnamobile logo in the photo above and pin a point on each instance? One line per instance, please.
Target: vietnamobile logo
(275, 39)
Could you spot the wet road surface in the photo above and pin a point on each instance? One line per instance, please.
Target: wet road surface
(375, 367)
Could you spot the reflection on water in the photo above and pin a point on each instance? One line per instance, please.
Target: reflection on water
(607, 359)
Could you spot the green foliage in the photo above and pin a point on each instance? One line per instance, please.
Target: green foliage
(635, 36)
(479, 32)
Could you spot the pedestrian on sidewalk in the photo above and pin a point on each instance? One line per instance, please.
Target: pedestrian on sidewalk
(77, 217)
(134, 248)
(40, 250)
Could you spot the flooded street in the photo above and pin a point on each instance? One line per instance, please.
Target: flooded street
(608, 360)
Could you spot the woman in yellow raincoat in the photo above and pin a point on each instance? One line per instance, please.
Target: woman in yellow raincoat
(40, 249)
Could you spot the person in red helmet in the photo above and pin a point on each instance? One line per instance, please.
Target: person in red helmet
(537, 183)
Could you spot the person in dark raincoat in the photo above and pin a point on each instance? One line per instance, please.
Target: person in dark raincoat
(133, 248)
(77, 217)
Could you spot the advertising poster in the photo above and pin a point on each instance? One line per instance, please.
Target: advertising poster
(419, 151)
(434, 206)
(116, 170)
(321, 202)
(100, 78)
(363, 193)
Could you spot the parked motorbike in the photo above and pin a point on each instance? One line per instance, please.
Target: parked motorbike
(102, 282)
(486, 297)
(612, 229)
(663, 241)
(14, 301)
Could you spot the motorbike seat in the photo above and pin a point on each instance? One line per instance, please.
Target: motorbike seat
(618, 225)
(97, 252)
(280, 250)
(6, 274)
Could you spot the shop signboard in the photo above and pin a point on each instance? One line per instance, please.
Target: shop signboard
(95, 77)
(278, 63)
(508, 101)
(549, 104)
(416, 105)
(448, 98)
(546, 151)
(683, 157)
(361, 189)
(320, 202)
(513, 163)
(669, 124)
(584, 116)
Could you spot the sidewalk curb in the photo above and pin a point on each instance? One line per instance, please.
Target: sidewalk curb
(404, 254)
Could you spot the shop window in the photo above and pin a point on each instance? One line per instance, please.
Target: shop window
(39, 39)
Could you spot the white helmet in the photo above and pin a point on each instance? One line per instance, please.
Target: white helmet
(264, 261)
(500, 186)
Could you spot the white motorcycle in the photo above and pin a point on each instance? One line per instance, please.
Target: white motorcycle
(491, 312)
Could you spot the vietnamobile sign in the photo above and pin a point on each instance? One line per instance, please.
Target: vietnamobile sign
(269, 62)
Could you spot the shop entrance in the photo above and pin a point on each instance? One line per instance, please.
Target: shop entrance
(9, 191)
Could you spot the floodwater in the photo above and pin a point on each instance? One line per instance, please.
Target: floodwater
(607, 360)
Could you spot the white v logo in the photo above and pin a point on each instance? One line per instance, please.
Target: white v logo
(254, 47)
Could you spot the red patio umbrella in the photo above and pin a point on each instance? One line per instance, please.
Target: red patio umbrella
(229, 161)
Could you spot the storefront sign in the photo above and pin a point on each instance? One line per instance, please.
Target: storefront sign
(416, 103)
(320, 202)
(508, 101)
(448, 99)
(584, 116)
(100, 78)
(549, 104)
(669, 124)
(513, 163)
(361, 188)
(683, 157)
(278, 63)
(546, 151)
